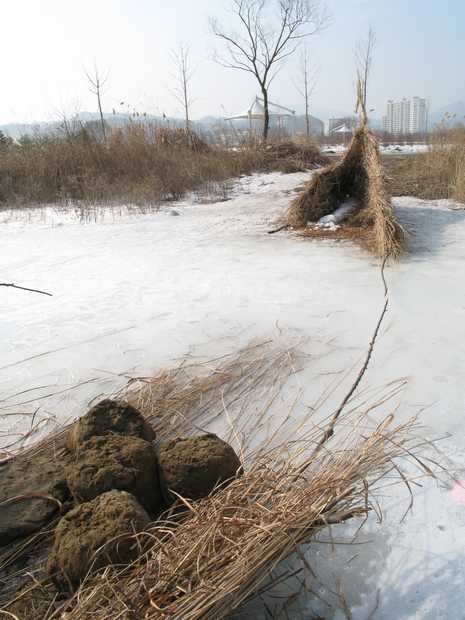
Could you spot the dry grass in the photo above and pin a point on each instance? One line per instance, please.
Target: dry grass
(211, 562)
(177, 401)
(137, 164)
(438, 173)
(208, 562)
(358, 174)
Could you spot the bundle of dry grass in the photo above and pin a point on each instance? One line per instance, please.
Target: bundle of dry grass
(292, 156)
(219, 552)
(437, 173)
(137, 163)
(209, 563)
(181, 138)
(358, 175)
(181, 400)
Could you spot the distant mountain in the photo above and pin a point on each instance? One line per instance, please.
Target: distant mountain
(16, 130)
(451, 114)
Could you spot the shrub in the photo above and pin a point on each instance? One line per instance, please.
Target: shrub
(137, 163)
(438, 173)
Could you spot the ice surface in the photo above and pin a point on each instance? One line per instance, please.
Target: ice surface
(131, 292)
(388, 149)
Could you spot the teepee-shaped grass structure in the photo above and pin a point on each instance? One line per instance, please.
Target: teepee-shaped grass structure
(357, 177)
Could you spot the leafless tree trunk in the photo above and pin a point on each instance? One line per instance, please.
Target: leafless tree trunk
(184, 73)
(306, 84)
(97, 82)
(364, 57)
(259, 47)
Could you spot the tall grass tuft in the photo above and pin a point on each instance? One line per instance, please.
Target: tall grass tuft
(438, 173)
(137, 163)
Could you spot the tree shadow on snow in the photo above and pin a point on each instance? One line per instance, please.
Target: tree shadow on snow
(433, 589)
(431, 228)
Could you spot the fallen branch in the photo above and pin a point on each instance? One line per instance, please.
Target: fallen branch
(24, 288)
(44, 496)
(329, 432)
(284, 227)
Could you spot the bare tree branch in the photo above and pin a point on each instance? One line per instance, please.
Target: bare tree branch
(183, 76)
(306, 85)
(263, 41)
(97, 82)
(24, 288)
(329, 432)
(364, 58)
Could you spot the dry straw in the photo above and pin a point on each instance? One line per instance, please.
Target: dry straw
(212, 562)
(182, 400)
(222, 552)
(357, 175)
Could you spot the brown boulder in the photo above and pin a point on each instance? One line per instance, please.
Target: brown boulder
(109, 417)
(193, 467)
(116, 462)
(110, 520)
(27, 488)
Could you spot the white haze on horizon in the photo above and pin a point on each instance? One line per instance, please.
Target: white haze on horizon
(45, 47)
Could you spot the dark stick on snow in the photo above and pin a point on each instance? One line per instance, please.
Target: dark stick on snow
(329, 432)
(284, 227)
(24, 288)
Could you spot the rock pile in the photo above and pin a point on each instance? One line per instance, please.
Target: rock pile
(107, 524)
(120, 463)
(195, 466)
(120, 482)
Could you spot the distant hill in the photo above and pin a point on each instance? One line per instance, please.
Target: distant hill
(451, 114)
(205, 124)
(16, 130)
(454, 113)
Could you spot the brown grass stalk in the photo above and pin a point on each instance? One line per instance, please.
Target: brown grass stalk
(357, 175)
(212, 559)
(137, 164)
(210, 563)
(436, 174)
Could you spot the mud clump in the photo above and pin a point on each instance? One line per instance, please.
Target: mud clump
(35, 481)
(193, 467)
(110, 521)
(116, 462)
(109, 417)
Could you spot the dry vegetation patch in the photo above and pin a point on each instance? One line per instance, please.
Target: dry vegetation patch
(357, 176)
(208, 560)
(136, 164)
(438, 173)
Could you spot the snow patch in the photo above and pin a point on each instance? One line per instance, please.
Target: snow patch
(133, 291)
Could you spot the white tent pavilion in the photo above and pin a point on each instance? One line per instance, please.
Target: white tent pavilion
(256, 111)
(342, 129)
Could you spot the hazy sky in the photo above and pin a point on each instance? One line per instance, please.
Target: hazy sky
(45, 45)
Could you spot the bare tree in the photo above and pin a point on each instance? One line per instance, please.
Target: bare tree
(262, 43)
(364, 58)
(306, 84)
(184, 73)
(97, 82)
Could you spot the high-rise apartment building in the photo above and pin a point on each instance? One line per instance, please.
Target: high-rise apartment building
(418, 115)
(406, 116)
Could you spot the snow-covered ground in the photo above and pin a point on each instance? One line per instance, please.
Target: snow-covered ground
(133, 291)
(385, 149)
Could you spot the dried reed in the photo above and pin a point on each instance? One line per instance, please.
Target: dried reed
(357, 175)
(179, 401)
(138, 164)
(208, 563)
